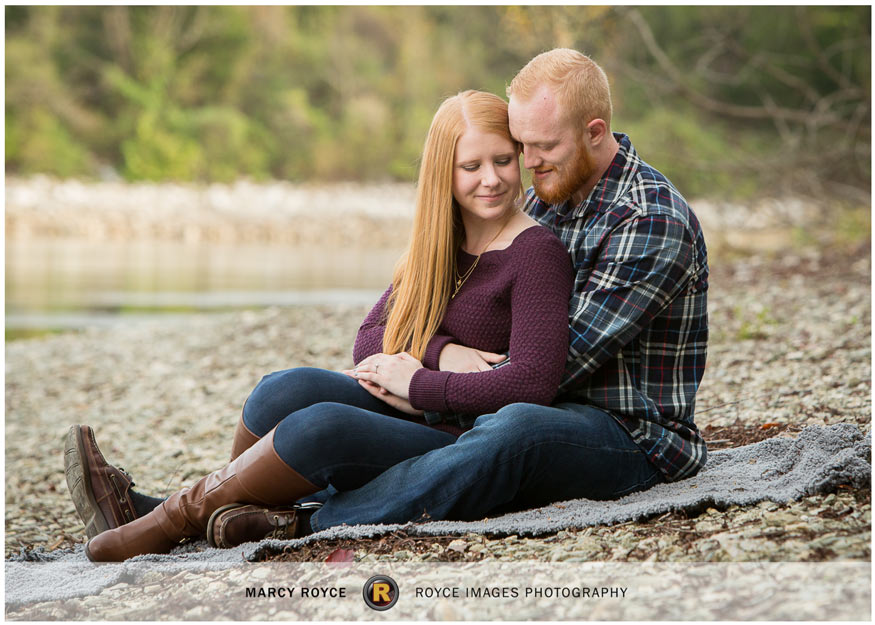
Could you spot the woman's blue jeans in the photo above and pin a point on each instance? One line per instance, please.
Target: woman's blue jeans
(378, 466)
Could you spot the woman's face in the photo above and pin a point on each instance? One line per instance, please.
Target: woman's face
(486, 174)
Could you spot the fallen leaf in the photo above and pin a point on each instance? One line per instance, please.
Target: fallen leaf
(341, 555)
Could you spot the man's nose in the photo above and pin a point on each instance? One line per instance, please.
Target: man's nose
(531, 159)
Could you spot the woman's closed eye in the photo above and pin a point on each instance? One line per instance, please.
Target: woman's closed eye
(504, 161)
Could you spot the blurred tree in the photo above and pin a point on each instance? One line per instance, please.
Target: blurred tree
(725, 100)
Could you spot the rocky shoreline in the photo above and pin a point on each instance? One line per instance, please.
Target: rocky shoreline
(281, 213)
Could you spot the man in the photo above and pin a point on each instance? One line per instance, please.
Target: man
(638, 333)
(638, 316)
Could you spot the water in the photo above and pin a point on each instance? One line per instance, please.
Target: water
(67, 283)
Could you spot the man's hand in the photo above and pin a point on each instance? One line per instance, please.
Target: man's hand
(463, 359)
(393, 400)
(393, 372)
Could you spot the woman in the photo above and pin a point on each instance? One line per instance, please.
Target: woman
(478, 272)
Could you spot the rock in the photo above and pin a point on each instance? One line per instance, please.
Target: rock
(260, 573)
(216, 587)
(708, 525)
(457, 545)
(196, 613)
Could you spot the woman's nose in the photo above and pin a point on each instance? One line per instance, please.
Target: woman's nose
(490, 177)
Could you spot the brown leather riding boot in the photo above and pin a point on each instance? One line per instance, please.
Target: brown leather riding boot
(243, 439)
(257, 476)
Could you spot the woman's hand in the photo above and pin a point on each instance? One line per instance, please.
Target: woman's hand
(393, 400)
(391, 372)
(461, 359)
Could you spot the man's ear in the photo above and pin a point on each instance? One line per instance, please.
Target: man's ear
(597, 130)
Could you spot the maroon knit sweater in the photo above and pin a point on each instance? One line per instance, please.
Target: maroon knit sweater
(515, 302)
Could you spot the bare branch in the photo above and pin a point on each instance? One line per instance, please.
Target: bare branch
(857, 118)
(768, 64)
(724, 108)
(192, 34)
(843, 45)
(702, 66)
(789, 137)
(822, 61)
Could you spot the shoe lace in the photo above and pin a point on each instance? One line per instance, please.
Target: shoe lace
(127, 475)
(286, 525)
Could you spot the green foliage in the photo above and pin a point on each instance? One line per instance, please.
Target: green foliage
(37, 141)
(853, 225)
(156, 152)
(320, 93)
(699, 163)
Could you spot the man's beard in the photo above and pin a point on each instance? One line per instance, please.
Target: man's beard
(570, 177)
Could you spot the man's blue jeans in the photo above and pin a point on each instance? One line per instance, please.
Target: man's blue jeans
(377, 466)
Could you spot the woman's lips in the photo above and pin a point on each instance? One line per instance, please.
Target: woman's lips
(491, 198)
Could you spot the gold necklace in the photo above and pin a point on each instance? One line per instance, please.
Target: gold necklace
(461, 280)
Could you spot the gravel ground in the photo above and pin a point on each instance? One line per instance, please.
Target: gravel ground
(790, 347)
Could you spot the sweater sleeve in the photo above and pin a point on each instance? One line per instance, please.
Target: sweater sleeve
(537, 349)
(369, 340)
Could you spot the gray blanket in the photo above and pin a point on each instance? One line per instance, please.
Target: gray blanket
(777, 469)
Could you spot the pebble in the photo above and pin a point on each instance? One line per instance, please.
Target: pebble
(215, 587)
(458, 545)
(708, 525)
(196, 613)
(260, 573)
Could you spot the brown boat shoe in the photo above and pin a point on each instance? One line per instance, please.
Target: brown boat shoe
(236, 523)
(100, 491)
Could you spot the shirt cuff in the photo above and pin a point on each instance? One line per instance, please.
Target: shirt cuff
(432, 357)
(428, 390)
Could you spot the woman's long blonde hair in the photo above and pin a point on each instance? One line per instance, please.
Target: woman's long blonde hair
(423, 277)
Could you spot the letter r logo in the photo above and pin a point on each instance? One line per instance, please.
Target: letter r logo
(380, 592)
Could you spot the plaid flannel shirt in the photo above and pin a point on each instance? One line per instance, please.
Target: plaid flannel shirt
(638, 315)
